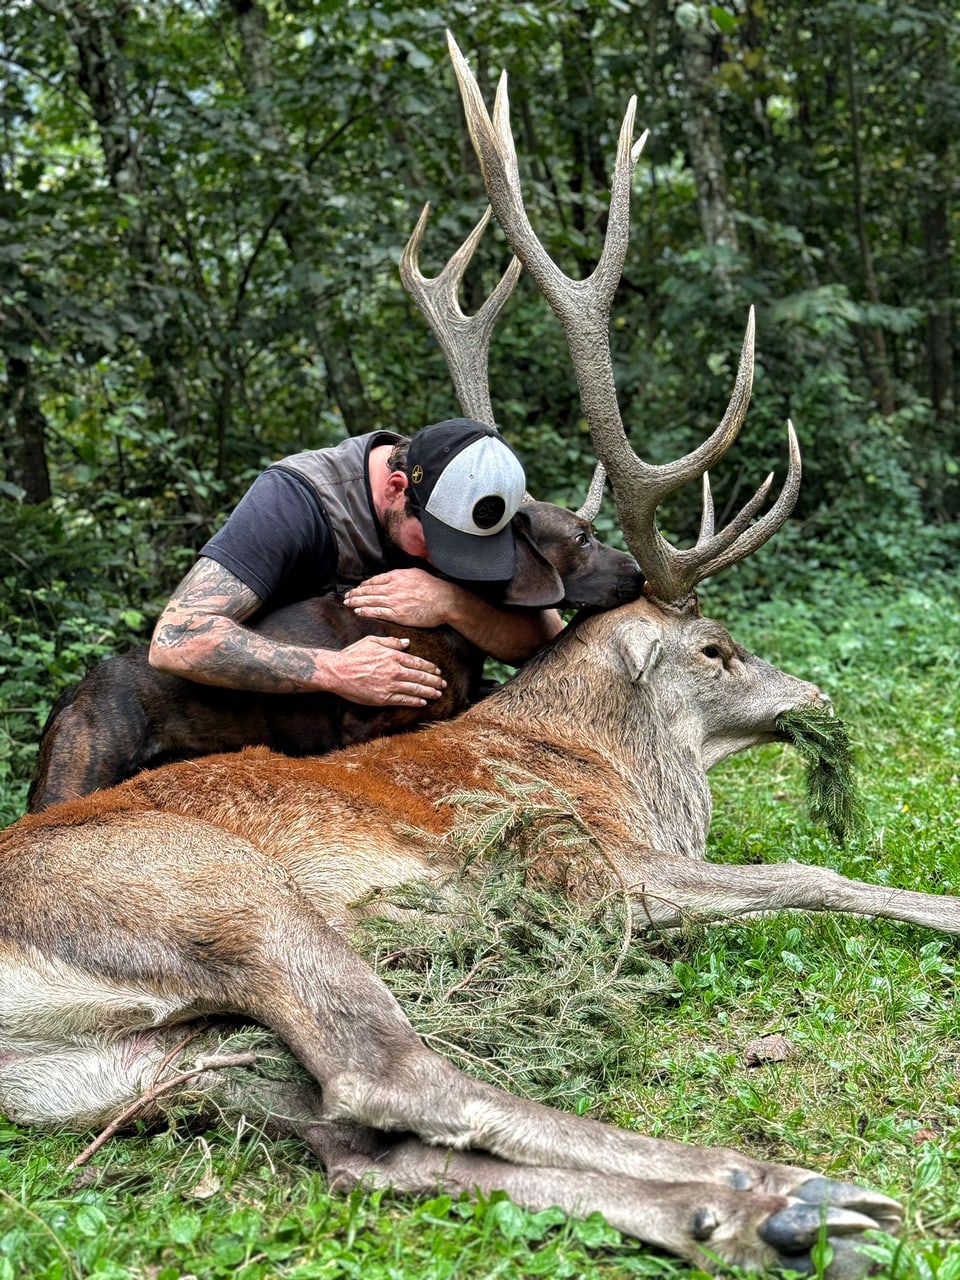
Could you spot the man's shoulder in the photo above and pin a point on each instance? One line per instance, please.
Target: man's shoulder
(352, 446)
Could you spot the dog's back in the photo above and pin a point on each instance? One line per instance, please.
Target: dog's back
(124, 716)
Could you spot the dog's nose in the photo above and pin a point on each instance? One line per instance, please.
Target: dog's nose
(631, 587)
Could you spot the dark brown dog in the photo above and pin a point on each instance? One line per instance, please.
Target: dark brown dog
(124, 716)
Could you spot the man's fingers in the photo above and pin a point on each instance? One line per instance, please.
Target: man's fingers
(409, 661)
(420, 666)
(388, 642)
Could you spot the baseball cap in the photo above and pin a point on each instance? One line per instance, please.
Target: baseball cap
(469, 484)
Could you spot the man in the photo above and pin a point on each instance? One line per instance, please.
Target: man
(365, 515)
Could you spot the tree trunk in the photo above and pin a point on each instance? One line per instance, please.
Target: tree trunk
(935, 135)
(101, 75)
(702, 133)
(24, 427)
(875, 345)
(25, 446)
(331, 329)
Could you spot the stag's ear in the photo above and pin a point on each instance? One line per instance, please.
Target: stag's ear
(640, 647)
(535, 583)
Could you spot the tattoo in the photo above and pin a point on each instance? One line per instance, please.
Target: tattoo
(214, 589)
(273, 666)
(173, 635)
(210, 606)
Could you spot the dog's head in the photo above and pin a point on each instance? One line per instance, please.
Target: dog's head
(561, 562)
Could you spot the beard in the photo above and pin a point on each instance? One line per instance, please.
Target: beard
(393, 521)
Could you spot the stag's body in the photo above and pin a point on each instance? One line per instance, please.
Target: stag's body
(624, 715)
(209, 887)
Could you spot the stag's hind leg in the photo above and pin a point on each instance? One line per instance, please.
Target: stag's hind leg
(147, 921)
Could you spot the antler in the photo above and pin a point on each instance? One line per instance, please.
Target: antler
(464, 340)
(583, 309)
(591, 504)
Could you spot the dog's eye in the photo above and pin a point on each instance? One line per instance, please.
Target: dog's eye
(711, 651)
(582, 538)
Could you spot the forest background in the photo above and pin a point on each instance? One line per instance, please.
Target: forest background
(202, 205)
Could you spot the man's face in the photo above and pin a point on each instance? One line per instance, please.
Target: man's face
(404, 533)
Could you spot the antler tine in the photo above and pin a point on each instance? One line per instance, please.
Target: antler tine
(591, 504)
(706, 516)
(746, 540)
(739, 537)
(464, 340)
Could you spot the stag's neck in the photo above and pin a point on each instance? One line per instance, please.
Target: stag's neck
(649, 787)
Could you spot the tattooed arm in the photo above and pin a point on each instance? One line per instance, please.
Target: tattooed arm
(200, 636)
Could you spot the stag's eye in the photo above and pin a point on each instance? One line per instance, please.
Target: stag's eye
(711, 651)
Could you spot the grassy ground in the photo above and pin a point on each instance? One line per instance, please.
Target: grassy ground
(869, 1090)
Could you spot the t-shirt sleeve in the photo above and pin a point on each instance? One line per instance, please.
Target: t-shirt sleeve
(277, 540)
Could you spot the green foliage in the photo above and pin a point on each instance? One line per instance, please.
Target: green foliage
(201, 232)
(218, 1206)
(468, 967)
(72, 591)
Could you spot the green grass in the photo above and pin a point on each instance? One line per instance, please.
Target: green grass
(871, 1090)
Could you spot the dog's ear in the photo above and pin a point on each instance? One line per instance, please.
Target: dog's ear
(535, 583)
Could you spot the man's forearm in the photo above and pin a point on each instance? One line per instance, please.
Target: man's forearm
(506, 634)
(201, 637)
(219, 651)
(415, 598)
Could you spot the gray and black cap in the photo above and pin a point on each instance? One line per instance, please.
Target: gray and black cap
(469, 484)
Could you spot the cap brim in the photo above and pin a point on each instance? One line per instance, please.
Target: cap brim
(467, 556)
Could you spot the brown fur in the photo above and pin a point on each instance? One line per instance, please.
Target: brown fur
(208, 887)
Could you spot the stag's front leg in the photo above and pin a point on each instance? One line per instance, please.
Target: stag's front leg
(671, 890)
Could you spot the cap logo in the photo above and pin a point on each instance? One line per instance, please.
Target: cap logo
(416, 475)
(488, 512)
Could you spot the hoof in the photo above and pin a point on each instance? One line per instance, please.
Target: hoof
(887, 1214)
(796, 1229)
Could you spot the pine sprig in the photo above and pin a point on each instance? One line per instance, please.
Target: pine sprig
(521, 986)
(823, 742)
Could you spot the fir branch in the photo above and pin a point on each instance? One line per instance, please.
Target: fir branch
(823, 742)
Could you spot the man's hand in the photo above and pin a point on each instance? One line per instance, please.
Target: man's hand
(377, 671)
(410, 597)
(415, 598)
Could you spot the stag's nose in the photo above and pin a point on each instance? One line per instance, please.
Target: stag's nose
(817, 698)
(808, 695)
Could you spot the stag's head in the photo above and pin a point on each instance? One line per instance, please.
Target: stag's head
(666, 667)
(659, 649)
